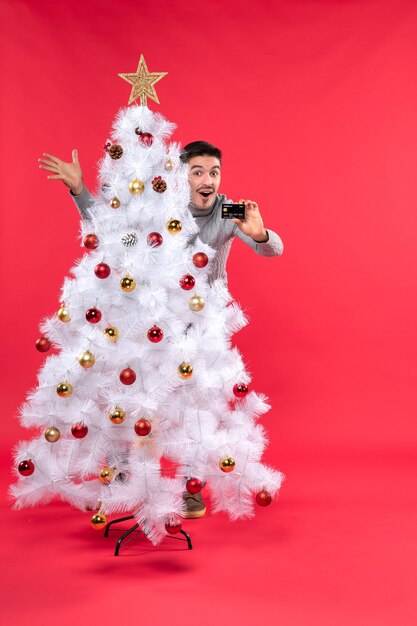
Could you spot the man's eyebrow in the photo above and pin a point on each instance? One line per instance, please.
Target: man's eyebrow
(201, 167)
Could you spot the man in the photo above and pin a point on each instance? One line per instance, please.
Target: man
(204, 176)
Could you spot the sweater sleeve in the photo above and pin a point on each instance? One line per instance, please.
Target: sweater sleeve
(272, 247)
(83, 202)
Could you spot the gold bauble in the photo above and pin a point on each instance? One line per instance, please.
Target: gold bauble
(115, 203)
(227, 464)
(136, 186)
(87, 359)
(112, 333)
(63, 314)
(64, 390)
(169, 165)
(196, 303)
(128, 283)
(52, 434)
(185, 370)
(117, 415)
(98, 521)
(106, 474)
(174, 226)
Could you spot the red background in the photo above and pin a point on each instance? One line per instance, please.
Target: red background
(314, 105)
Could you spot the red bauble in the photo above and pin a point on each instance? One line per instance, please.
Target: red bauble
(173, 528)
(93, 315)
(263, 498)
(193, 485)
(127, 376)
(90, 241)
(26, 468)
(102, 270)
(155, 334)
(79, 431)
(187, 282)
(240, 390)
(43, 344)
(143, 427)
(146, 138)
(200, 259)
(154, 239)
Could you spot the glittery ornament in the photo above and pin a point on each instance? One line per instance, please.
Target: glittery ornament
(98, 521)
(187, 282)
(136, 186)
(43, 344)
(185, 370)
(143, 82)
(93, 315)
(26, 467)
(196, 303)
(143, 427)
(227, 464)
(90, 241)
(154, 240)
(86, 359)
(102, 270)
(127, 283)
(64, 390)
(117, 415)
(174, 226)
(52, 434)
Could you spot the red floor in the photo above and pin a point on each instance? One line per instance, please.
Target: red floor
(338, 547)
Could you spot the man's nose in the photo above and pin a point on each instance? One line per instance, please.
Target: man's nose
(205, 180)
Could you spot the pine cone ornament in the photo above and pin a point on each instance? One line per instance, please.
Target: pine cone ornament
(115, 151)
(159, 184)
(130, 239)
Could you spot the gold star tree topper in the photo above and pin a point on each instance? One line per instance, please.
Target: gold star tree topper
(143, 83)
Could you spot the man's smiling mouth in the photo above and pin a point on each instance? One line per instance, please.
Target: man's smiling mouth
(206, 193)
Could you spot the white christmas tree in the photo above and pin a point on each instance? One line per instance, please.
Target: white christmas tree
(143, 368)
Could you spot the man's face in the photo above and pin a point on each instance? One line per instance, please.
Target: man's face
(204, 179)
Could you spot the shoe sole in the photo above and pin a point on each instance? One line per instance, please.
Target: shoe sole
(193, 514)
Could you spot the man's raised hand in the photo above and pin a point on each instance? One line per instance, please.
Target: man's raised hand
(70, 173)
(253, 224)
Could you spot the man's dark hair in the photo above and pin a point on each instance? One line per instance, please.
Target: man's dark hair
(199, 148)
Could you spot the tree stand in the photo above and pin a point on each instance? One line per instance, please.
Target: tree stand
(134, 530)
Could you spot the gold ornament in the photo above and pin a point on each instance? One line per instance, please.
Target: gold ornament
(196, 303)
(87, 359)
(143, 83)
(106, 474)
(117, 415)
(63, 314)
(98, 521)
(64, 390)
(185, 370)
(136, 186)
(52, 434)
(112, 333)
(128, 283)
(115, 203)
(169, 165)
(227, 464)
(174, 226)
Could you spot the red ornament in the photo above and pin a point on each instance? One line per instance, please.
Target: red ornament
(146, 138)
(26, 468)
(240, 390)
(193, 485)
(93, 315)
(143, 427)
(79, 431)
(154, 239)
(173, 528)
(263, 498)
(155, 334)
(90, 241)
(200, 259)
(127, 376)
(107, 145)
(102, 270)
(43, 344)
(187, 282)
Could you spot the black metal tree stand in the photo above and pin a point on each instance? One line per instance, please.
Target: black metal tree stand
(129, 534)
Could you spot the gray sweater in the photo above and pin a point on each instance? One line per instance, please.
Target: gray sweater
(214, 231)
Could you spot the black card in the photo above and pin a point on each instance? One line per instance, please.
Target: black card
(230, 210)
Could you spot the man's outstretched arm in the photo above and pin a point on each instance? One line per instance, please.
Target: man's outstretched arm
(251, 230)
